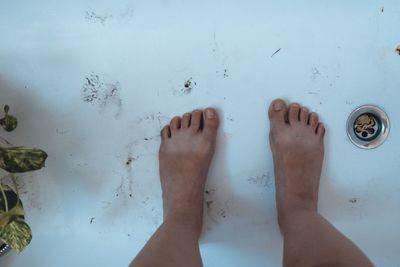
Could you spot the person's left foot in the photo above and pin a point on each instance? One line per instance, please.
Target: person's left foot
(186, 151)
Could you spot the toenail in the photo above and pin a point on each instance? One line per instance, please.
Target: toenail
(210, 114)
(278, 106)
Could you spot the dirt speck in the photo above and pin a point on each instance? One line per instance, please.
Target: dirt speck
(92, 220)
(226, 73)
(222, 213)
(382, 9)
(188, 86)
(398, 50)
(92, 16)
(264, 180)
(353, 200)
(315, 73)
(130, 160)
(61, 131)
(209, 203)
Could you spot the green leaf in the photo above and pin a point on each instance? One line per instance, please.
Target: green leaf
(22, 159)
(13, 229)
(9, 123)
(11, 207)
(12, 198)
(17, 234)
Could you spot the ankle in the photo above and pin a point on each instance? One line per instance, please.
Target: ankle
(295, 217)
(189, 221)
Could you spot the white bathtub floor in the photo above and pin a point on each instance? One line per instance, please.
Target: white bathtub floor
(88, 207)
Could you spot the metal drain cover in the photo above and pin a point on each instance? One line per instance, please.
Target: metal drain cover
(4, 249)
(368, 126)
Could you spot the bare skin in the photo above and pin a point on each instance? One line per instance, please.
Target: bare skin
(296, 139)
(186, 151)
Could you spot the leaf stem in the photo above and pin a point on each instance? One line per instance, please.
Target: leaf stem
(14, 180)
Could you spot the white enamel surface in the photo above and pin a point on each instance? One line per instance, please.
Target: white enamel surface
(334, 57)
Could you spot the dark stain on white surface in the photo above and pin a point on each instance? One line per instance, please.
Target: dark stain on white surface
(215, 209)
(398, 50)
(188, 86)
(310, 92)
(353, 200)
(146, 201)
(264, 180)
(130, 160)
(226, 73)
(61, 131)
(92, 220)
(156, 117)
(102, 93)
(222, 213)
(94, 17)
(315, 73)
(215, 43)
(276, 52)
(382, 9)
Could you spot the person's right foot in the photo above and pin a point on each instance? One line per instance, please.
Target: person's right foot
(296, 139)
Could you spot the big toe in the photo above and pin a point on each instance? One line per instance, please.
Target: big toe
(211, 123)
(277, 112)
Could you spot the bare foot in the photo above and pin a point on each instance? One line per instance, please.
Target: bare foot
(186, 151)
(296, 139)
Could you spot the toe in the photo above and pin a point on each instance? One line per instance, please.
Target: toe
(185, 123)
(304, 115)
(313, 120)
(211, 123)
(277, 111)
(165, 133)
(294, 113)
(196, 120)
(321, 129)
(175, 124)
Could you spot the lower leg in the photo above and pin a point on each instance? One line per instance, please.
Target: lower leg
(310, 240)
(186, 151)
(175, 243)
(296, 140)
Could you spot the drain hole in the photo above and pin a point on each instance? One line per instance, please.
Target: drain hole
(367, 127)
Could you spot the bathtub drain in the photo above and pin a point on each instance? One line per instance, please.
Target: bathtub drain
(368, 127)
